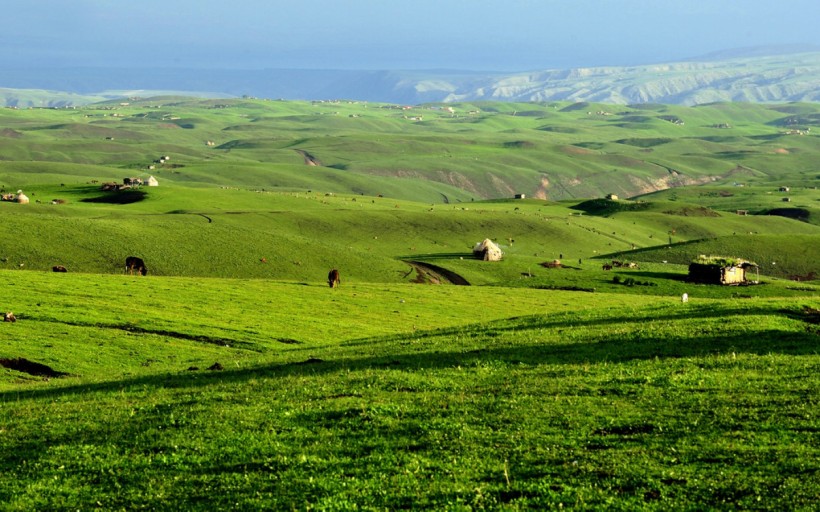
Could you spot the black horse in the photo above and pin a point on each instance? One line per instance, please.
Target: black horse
(333, 278)
(133, 263)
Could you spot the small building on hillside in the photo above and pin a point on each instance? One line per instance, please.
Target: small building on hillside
(722, 270)
(19, 197)
(487, 251)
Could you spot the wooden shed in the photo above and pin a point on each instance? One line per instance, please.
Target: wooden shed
(722, 270)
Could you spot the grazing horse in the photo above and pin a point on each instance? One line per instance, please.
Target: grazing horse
(133, 263)
(58, 268)
(333, 278)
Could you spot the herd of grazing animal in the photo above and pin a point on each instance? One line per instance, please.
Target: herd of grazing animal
(135, 264)
(132, 264)
(618, 264)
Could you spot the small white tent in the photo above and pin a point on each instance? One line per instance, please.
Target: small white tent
(152, 182)
(487, 251)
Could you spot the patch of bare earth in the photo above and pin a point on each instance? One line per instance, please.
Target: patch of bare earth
(541, 193)
(310, 159)
(433, 274)
(575, 150)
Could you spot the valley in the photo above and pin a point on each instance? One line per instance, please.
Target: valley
(582, 370)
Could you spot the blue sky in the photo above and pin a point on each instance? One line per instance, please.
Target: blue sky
(510, 35)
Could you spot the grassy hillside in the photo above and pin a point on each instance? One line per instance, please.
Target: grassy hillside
(233, 377)
(364, 184)
(476, 151)
(381, 396)
(226, 232)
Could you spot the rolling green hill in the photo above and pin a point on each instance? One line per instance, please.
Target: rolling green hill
(476, 151)
(126, 392)
(309, 186)
(233, 377)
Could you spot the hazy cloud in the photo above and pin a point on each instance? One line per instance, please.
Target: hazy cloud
(380, 34)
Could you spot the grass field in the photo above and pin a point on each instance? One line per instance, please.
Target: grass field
(232, 376)
(392, 396)
(482, 150)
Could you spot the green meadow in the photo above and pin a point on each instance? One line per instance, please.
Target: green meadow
(232, 377)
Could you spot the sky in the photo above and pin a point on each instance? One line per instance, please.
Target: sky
(474, 35)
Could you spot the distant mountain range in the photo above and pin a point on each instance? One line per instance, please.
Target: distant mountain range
(756, 75)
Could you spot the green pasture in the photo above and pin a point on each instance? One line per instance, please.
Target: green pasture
(477, 151)
(377, 396)
(231, 232)
(232, 377)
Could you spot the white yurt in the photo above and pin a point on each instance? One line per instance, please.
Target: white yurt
(487, 251)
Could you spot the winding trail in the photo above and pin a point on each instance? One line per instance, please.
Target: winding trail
(309, 159)
(433, 274)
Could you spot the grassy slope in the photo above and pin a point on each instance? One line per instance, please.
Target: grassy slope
(227, 233)
(229, 208)
(402, 395)
(439, 394)
(577, 151)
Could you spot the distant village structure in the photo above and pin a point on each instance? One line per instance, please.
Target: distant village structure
(487, 250)
(19, 197)
(722, 270)
(128, 183)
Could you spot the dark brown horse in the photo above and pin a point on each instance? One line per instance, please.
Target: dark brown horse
(133, 263)
(333, 278)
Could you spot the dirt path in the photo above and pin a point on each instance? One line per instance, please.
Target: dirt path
(309, 159)
(432, 274)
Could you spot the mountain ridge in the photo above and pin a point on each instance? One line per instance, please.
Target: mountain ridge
(753, 76)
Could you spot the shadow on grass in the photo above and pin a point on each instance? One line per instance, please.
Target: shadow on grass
(126, 197)
(439, 256)
(518, 342)
(428, 271)
(669, 276)
(531, 340)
